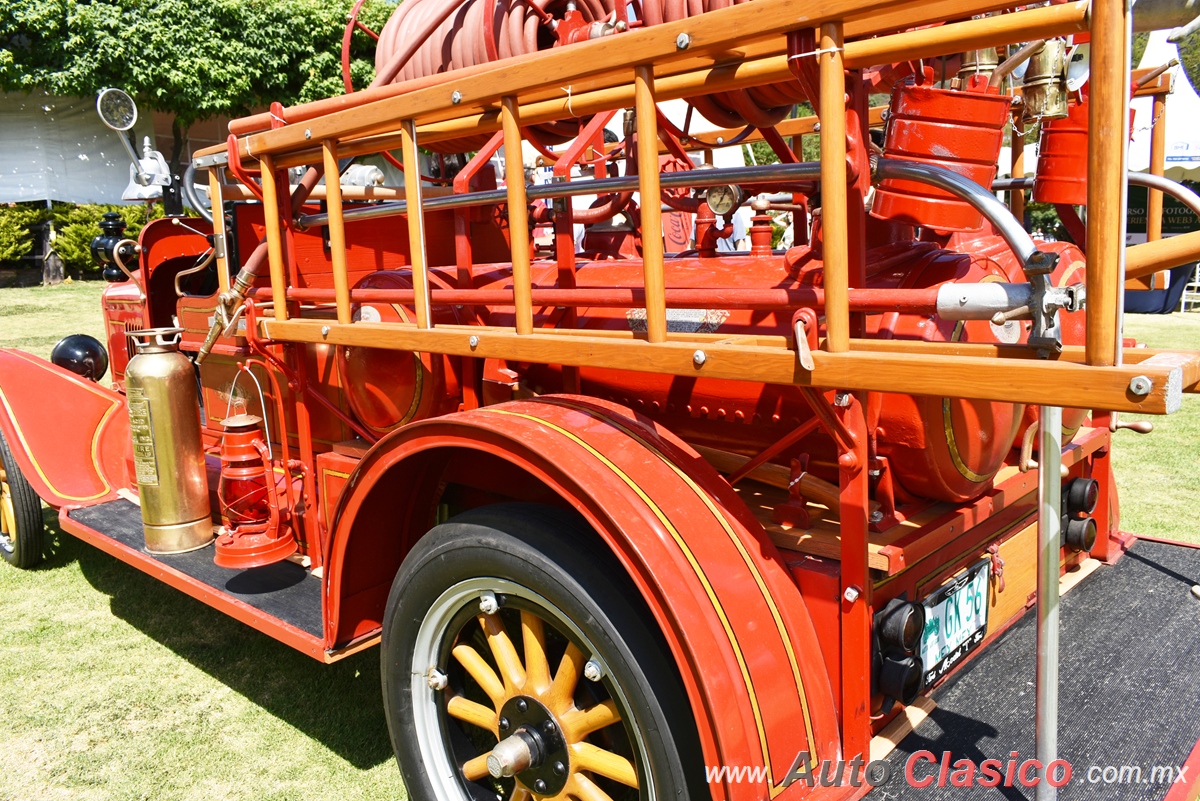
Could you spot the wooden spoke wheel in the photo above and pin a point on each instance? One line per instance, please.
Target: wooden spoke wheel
(516, 667)
(20, 514)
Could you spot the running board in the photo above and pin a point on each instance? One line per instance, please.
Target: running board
(282, 600)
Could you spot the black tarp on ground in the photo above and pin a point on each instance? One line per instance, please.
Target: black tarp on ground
(1129, 678)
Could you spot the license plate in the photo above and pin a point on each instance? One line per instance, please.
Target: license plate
(955, 621)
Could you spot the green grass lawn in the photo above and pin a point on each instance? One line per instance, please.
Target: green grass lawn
(119, 687)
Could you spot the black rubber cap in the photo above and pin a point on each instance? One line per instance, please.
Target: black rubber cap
(82, 355)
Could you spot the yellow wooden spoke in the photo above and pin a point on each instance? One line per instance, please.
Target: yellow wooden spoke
(470, 712)
(519, 793)
(476, 769)
(585, 789)
(578, 724)
(505, 652)
(561, 696)
(587, 757)
(481, 671)
(537, 666)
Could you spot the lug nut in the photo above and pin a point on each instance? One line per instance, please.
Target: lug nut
(683, 41)
(592, 671)
(488, 603)
(437, 679)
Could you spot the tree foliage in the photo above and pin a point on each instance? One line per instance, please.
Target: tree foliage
(189, 59)
(16, 238)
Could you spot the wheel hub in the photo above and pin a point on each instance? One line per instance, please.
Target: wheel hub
(533, 749)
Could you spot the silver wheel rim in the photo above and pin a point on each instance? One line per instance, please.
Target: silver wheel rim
(429, 709)
(8, 515)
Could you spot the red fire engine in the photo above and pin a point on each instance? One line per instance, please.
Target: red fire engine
(611, 511)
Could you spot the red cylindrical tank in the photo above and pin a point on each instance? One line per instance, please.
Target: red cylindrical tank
(940, 449)
(961, 131)
(1062, 159)
(389, 388)
(1062, 163)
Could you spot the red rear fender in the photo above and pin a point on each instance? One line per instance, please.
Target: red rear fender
(735, 621)
(67, 434)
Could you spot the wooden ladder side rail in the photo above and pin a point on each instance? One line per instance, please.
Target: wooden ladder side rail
(1033, 381)
(216, 192)
(834, 190)
(716, 34)
(337, 233)
(416, 225)
(274, 232)
(593, 98)
(1163, 254)
(653, 282)
(1108, 126)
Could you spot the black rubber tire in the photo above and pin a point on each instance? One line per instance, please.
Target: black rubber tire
(21, 548)
(552, 552)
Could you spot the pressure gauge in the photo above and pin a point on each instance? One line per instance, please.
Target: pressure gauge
(723, 199)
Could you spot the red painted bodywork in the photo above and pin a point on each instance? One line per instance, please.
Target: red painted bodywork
(774, 647)
(69, 436)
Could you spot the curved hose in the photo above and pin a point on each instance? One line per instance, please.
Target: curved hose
(429, 37)
(191, 195)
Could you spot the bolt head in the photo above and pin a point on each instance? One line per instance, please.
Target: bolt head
(876, 516)
(307, 133)
(324, 330)
(488, 603)
(540, 786)
(548, 727)
(504, 724)
(841, 399)
(852, 594)
(522, 705)
(592, 671)
(437, 679)
(456, 97)
(699, 358)
(474, 342)
(683, 41)
(561, 770)
(816, 127)
(1140, 385)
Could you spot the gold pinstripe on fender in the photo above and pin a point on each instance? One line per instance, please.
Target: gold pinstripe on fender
(695, 565)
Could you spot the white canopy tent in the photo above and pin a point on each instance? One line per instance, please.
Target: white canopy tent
(1182, 117)
(55, 148)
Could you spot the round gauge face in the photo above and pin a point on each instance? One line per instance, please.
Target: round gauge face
(116, 109)
(723, 199)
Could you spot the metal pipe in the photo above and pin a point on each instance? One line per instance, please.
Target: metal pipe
(865, 301)
(807, 171)
(1165, 185)
(980, 199)
(1008, 184)
(1049, 547)
(1015, 60)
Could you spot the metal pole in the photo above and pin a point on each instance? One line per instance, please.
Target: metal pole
(1049, 525)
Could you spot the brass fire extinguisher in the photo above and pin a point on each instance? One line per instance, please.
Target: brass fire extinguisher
(168, 454)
